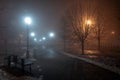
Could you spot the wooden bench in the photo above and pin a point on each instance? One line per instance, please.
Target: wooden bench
(25, 63)
(13, 60)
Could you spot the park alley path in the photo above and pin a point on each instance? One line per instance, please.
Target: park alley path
(56, 66)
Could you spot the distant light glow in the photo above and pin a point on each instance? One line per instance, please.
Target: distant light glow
(44, 38)
(28, 20)
(32, 34)
(51, 34)
(35, 39)
(113, 32)
(40, 40)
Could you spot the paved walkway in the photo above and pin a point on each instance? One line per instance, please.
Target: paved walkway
(57, 66)
(108, 63)
(52, 65)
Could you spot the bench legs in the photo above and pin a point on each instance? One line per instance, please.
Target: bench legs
(22, 65)
(30, 69)
(9, 61)
(23, 68)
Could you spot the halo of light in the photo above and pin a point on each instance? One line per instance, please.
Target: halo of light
(28, 20)
(51, 34)
(88, 22)
(44, 38)
(35, 39)
(32, 34)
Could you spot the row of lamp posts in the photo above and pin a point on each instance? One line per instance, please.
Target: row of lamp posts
(28, 21)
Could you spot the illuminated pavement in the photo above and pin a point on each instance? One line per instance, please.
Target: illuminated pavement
(56, 66)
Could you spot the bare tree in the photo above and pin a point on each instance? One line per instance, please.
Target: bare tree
(63, 32)
(80, 17)
(99, 29)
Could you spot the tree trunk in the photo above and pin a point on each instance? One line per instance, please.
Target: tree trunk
(99, 44)
(64, 44)
(82, 45)
(64, 36)
(99, 39)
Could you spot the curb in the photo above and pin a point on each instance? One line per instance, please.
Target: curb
(102, 65)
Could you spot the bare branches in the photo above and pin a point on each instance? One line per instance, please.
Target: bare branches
(80, 17)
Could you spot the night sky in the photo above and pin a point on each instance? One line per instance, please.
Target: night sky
(46, 14)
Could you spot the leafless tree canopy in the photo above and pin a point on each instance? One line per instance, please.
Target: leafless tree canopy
(78, 14)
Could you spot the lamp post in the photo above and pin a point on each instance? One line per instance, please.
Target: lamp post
(28, 22)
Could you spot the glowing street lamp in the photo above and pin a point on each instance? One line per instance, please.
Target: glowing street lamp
(35, 39)
(51, 34)
(32, 34)
(89, 22)
(44, 38)
(28, 21)
(113, 32)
